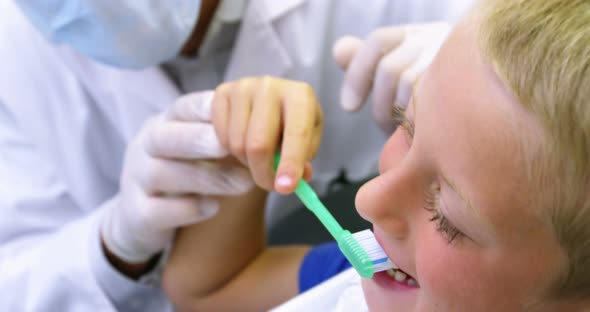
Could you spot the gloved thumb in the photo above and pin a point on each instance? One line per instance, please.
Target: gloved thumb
(206, 209)
(345, 49)
(176, 212)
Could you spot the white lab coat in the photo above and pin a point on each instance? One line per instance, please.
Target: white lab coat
(65, 122)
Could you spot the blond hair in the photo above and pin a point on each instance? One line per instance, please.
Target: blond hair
(541, 50)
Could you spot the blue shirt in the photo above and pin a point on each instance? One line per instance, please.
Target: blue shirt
(320, 264)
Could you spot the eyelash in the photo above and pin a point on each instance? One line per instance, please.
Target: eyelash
(443, 225)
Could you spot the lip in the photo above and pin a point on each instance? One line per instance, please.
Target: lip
(378, 238)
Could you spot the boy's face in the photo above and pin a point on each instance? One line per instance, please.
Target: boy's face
(487, 248)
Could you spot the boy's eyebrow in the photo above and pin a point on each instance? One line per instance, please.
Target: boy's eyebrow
(457, 190)
(399, 118)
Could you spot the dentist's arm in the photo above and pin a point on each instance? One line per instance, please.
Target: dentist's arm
(172, 171)
(54, 255)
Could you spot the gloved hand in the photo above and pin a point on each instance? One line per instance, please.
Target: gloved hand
(254, 116)
(388, 63)
(171, 172)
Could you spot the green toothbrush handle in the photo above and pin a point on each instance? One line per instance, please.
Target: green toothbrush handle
(349, 246)
(310, 200)
(313, 203)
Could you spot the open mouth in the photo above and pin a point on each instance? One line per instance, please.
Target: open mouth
(395, 274)
(402, 277)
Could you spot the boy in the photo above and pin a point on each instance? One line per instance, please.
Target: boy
(482, 198)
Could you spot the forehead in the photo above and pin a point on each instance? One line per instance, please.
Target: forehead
(479, 132)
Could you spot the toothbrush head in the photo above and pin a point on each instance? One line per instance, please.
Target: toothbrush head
(356, 254)
(368, 242)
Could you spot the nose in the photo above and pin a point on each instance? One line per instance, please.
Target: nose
(394, 151)
(388, 201)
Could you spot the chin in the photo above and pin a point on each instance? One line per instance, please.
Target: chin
(380, 299)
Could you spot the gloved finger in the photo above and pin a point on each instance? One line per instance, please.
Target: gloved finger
(389, 72)
(407, 82)
(358, 79)
(240, 109)
(220, 113)
(264, 132)
(192, 107)
(414, 72)
(299, 114)
(345, 49)
(173, 177)
(176, 211)
(184, 140)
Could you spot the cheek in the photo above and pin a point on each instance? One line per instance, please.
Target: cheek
(456, 277)
(447, 278)
(449, 269)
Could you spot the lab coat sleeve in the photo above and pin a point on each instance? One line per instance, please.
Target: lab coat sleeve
(50, 253)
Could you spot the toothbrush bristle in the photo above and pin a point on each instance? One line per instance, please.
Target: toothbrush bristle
(367, 241)
(356, 255)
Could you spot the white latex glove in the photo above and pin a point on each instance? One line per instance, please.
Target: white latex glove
(171, 170)
(387, 63)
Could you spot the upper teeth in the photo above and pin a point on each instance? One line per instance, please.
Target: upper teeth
(401, 277)
(412, 282)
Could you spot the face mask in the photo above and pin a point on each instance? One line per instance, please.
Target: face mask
(124, 33)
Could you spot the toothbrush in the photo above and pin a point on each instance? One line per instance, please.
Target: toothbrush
(361, 248)
(367, 240)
